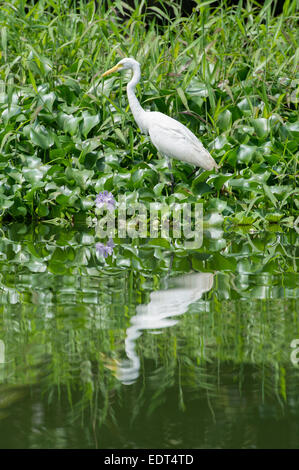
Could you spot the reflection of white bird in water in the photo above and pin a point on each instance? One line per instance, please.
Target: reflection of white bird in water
(159, 313)
(169, 136)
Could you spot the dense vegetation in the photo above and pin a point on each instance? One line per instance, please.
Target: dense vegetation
(228, 73)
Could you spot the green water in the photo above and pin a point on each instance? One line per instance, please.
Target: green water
(154, 348)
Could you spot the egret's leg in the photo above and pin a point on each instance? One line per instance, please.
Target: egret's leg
(171, 174)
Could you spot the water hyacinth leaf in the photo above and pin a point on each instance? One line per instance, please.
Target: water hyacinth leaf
(73, 85)
(89, 122)
(245, 107)
(10, 112)
(112, 160)
(197, 88)
(231, 157)
(81, 177)
(47, 101)
(6, 203)
(16, 175)
(247, 130)
(202, 177)
(105, 182)
(62, 199)
(243, 184)
(261, 126)
(224, 120)
(69, 123)
(87, 147)
(266, 149)
(20, 211)
(246, 153)
(122, 180)
(158, 188)
(140, 175)
(42, 210)
(86, 203)
(40, 136)
(33, 175)
(218, 180)
(293, 128)
(220, 142)
(201, 188)
(217, 204)
(33, 162)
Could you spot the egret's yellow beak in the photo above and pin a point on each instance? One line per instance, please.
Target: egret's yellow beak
(114, 69)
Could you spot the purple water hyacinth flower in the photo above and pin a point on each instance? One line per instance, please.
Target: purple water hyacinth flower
(105, 198)
(105, 250)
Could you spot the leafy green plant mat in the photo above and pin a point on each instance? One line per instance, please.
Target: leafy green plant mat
(228, 73)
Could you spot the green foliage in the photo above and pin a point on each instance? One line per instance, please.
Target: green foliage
(228, 73)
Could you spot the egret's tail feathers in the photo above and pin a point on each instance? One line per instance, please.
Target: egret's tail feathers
(210, 163)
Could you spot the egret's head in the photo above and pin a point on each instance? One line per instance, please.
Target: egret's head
(123, 64)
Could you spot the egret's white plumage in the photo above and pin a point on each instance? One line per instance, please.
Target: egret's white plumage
(169, 136)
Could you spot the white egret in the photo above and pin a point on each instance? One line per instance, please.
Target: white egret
(170, 137)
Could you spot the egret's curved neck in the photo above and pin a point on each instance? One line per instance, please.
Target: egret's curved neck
(137, 111)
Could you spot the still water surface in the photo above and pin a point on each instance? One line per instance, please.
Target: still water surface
(188, 351)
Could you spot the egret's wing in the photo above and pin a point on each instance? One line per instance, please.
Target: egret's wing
(175, 140)
(173, 129)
